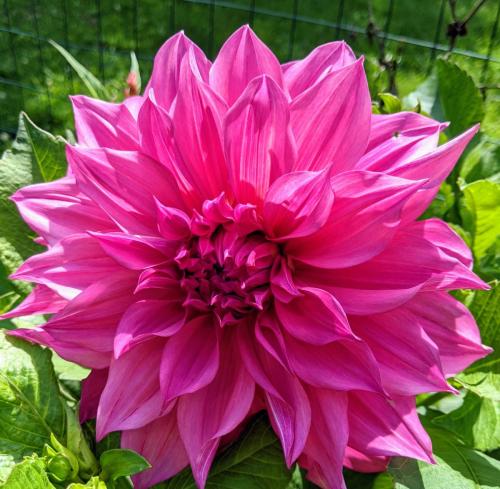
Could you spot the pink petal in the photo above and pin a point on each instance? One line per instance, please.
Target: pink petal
(297, 204)
(68, 267)
(300, 75)
(165, 78)
(84, 330)
(316, 317)
(135, 252)
(328, 437)
(385, 126)
(190, 359)
(341, 365)
(214, 411)
(378, 426)
(360, 462)
(331, 120)
(287, 402)
(363, 220)
(124, 184)
(407, 357)
(173, 224)
(397, 151)
(132, 397)
(104, 124)
(197, 123)
(160, 444)
(435, 166)
(92, 387)
(58, 209)
(147, 318)
(452, 328)
(258, 142)
(444, 237)
(42, 300)
(242, 58)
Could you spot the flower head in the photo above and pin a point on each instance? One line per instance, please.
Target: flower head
(243, 237)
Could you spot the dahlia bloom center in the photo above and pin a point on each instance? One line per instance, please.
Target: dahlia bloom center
(226, 267)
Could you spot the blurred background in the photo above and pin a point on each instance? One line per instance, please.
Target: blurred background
(401, 38)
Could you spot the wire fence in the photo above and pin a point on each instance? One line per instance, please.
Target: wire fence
(401, 36)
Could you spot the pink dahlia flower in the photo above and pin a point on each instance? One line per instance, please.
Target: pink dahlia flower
(243, 237)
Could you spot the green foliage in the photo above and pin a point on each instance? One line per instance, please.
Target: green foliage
(94, 85)
(121, 463)
(255, 461)
(450, 94)
(458, 467)
(29, 474)
(31, 408)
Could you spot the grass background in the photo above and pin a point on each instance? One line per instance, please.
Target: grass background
(101, 34)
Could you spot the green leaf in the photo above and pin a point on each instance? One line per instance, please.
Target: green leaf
(255, 461)
(482, 162)
(480, 210)
(449, 94)
(483, 377)
(94, 483)
(476, 422)
(93, 84)
(120, 462)
(29, 474)
(35, 156)
(458, 467)
(389, 103)
(30, 404)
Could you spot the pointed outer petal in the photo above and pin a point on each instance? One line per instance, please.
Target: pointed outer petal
(328, 437)
(135, 252)
(447, 271)
(380, 426)
(197, 126)
(397, 151)
(452, 328)
(69, 266)
(282, 285)
(300, 75)
(57, 209)
(173, 224)
(363, 220)
(407, 357)
(104, 124)
(409, 265)
(316, 317)
(41, 300)
(444, 237)
(92, 387)
(167, 64)
(160, 444)
(341, 365)
(83, 332)
(287, 402)
(331, 120)
(242, 58)
(145, 319)
(124, 184)
(190, 359)
(258, 142)
(297, 204)
(384, 126)
(360, 462)
(216, 410)
(356, 295)
(132, 396)
(435, 166)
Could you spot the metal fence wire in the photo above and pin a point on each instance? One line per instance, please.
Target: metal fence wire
(404, 37)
